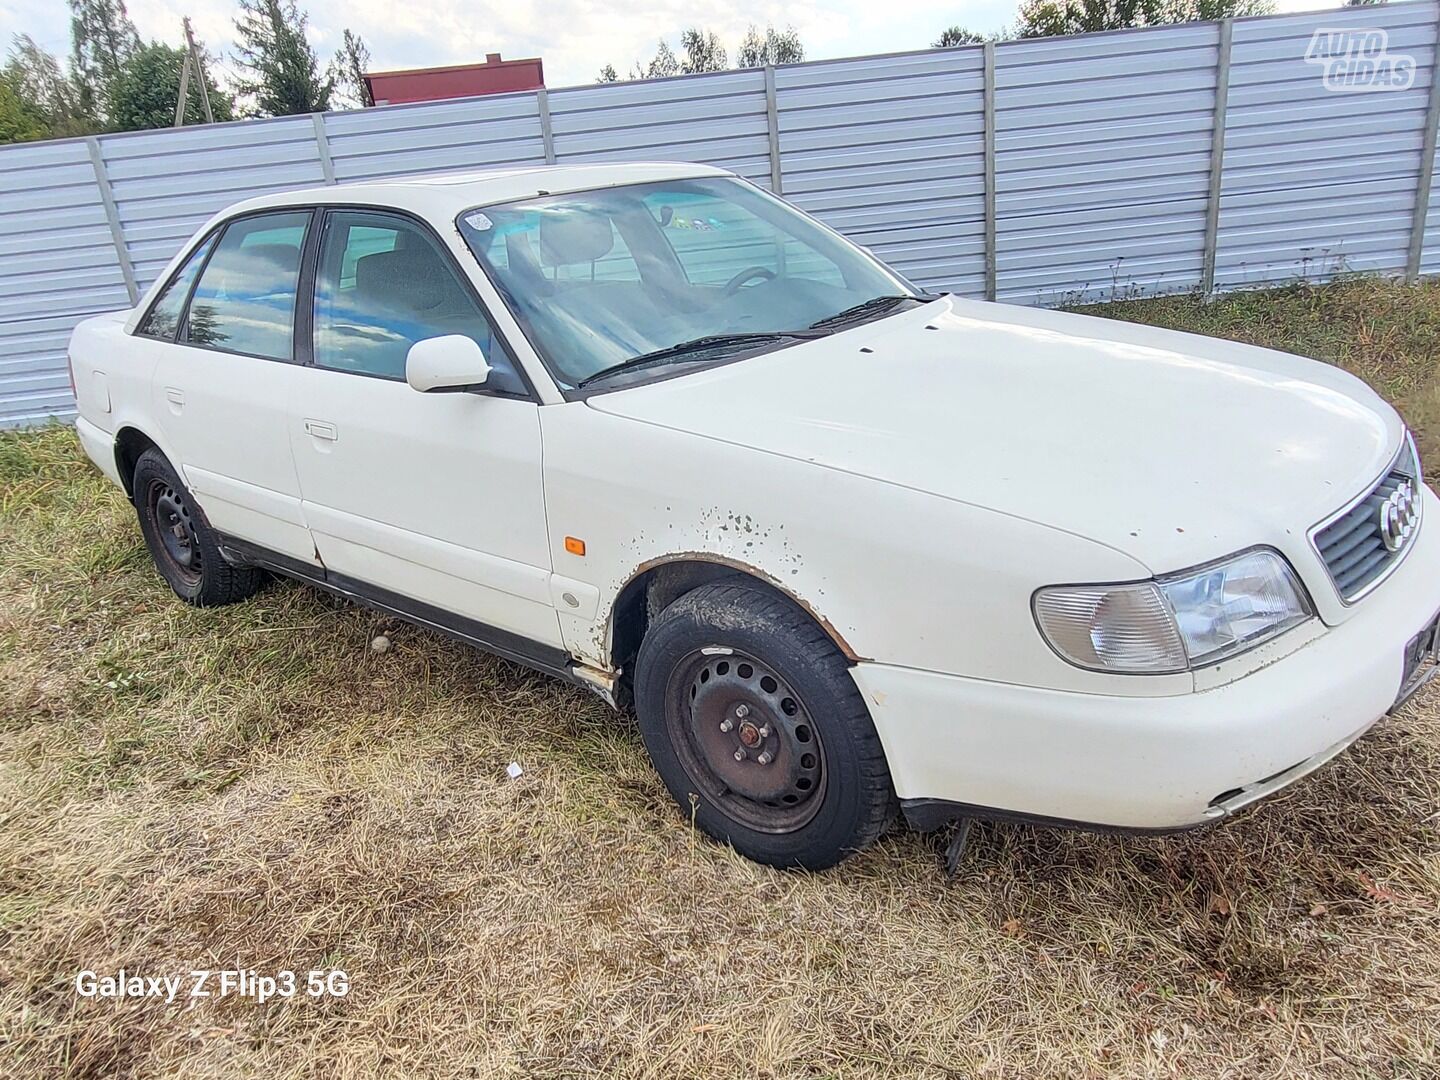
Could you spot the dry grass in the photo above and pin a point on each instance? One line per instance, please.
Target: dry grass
(254, 787)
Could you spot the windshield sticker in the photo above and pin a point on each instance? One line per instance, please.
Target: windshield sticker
(479, 222)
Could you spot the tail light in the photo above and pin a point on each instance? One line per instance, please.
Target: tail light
(70, 366)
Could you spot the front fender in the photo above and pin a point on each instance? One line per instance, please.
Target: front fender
(895, 575)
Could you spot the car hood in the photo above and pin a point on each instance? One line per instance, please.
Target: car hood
(1170, 447)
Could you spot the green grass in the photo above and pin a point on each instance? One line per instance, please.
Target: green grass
(255, 786)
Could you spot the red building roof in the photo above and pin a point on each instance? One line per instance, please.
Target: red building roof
(494, 76)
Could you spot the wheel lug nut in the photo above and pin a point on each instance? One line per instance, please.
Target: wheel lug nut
(742, 711)
(765, 731)
(765, 757)
(739, 755)
(726, 724)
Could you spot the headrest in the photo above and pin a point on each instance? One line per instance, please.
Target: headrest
(410, 278)
(574, 236)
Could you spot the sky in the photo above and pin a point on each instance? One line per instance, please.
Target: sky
(574, 37)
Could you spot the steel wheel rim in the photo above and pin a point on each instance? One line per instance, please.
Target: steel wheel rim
(171, 516)
(746, 740)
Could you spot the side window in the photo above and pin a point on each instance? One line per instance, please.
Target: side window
(164, 317)
(715, 239)
(244, 302)
(384, 284)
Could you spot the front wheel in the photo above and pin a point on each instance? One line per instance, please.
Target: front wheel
(751, 717)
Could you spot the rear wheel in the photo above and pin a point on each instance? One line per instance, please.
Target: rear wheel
(751, 717)
(181, 541)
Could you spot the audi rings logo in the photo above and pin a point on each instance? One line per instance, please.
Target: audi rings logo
(1399, 517)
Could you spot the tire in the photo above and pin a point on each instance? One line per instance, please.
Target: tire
(181, 541)
(731, 669)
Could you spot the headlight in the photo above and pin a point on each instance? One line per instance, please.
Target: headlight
(1177, 622)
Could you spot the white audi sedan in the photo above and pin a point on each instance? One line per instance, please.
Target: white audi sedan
(850, 549)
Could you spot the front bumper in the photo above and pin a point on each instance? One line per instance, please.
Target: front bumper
(1152, 762)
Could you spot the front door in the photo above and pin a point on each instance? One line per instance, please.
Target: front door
(435, 497)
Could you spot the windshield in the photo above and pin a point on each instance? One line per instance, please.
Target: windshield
(691, 271)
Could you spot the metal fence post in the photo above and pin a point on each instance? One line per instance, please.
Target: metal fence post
(991, 267)
(772, 127)
(1217, 156)
(547, 133)
(322, 146)
(1426, 178)
(112, 216)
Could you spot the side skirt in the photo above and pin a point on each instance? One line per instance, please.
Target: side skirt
(509, 646)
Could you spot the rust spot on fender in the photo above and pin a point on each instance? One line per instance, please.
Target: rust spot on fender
(754, 571)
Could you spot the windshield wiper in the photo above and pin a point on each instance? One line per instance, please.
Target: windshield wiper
(689, 349)
(874, 306)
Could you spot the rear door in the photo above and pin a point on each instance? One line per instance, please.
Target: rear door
(223, 389)
(435, 497)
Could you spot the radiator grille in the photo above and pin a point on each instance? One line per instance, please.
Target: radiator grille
(1352, 547)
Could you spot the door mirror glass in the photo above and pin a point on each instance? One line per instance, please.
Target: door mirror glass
(452, 362)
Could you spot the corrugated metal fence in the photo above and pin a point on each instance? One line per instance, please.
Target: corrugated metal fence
(1204, 156)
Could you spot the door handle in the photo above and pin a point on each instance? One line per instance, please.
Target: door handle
(320, 429)
(175, 395)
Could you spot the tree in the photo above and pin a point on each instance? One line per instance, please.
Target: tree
(1214, 10)
(784, 47)
(1054, 18)
(102, 38)
(703, 52)
(284, 75)
(752, 52)
(663, 64)
(776, 47)
(347, 72)
(47, 102)
(202, 325)
(145, 91)
(20, 121)
(957, 35)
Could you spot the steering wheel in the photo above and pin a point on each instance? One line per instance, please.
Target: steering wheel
(750, 273)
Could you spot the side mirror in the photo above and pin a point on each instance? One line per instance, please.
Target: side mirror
(452, 362)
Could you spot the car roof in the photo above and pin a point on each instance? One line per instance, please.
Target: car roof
(440, 197)
(443, 195)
